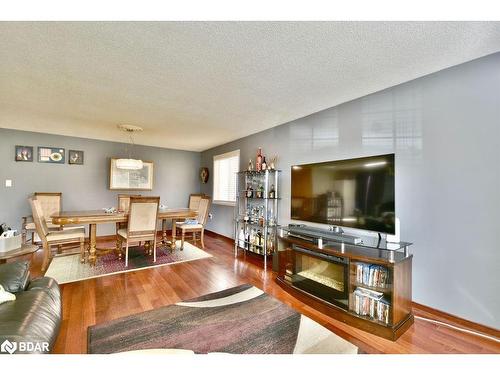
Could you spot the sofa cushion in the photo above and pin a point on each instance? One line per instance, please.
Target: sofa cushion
(14, 277)
(6, 296)
(34, 316)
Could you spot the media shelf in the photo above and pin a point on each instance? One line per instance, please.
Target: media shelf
(256, 212)
(375, 289)
(365, 288)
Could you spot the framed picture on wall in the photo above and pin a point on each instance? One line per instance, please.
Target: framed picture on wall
(54, 155)
(75, 157)
(24, 153)
(124, 179)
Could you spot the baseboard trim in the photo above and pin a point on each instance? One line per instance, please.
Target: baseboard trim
(218, 235)
(444, 317)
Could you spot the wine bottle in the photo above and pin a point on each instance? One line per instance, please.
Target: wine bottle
(248, 241)
(258, 160)
(272, 192)
(264, 164)
(249, 191)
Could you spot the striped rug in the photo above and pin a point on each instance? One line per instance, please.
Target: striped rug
(238, 320)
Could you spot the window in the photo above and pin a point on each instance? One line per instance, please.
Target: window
(225, 168)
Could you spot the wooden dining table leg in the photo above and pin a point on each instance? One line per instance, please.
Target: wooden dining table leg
(92, 244)
(164, 231)
(118, 247)
(174, 230)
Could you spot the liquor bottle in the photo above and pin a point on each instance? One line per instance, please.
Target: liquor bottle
(272, 164)
(248, 241)
(252, 239)
(249, 191)
(241, 238)
(270, 244)
(270, 216)
(258, 160)
(258, 241)
(250, 165)
(261, 221)
(264, 164)
(260, 191)
(272, 192)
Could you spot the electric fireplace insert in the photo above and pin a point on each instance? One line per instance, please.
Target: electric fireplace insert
(322, 275)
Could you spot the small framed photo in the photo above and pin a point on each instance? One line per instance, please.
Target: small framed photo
(51, 155)
(75, 157)
(24, 153)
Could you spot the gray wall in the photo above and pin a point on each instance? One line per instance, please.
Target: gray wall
(445, 131)
(86, 186)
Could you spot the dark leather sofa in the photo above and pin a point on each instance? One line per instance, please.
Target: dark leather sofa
(30, 323)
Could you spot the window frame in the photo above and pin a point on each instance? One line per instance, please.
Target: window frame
(225, 155)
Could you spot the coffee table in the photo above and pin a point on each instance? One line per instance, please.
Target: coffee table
(20, 251)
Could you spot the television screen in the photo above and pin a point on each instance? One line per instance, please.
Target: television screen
(357, 193)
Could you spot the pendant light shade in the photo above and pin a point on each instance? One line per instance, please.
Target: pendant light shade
(130, 164)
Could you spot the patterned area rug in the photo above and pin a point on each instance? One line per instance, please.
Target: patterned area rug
(239, 320)
(67, 268)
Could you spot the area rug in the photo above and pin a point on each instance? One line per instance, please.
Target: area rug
(67, 268)
(239, 320)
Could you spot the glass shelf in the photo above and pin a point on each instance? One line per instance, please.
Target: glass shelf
(257, 224)
(256, 249)
(238, 197)
(259, 172)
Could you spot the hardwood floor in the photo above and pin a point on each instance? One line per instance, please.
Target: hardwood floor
(95, 301)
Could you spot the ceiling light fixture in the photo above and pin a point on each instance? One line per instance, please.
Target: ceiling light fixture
(130, 164)
(375, 164)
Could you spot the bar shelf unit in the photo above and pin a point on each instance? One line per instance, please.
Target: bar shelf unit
(256, 212)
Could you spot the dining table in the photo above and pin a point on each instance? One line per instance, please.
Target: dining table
(95, 217)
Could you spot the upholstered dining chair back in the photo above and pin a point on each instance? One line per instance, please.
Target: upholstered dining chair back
(143, 216)
(51, 203)
(194, 201)
(38, 217)
(203, 208)
(124, 201)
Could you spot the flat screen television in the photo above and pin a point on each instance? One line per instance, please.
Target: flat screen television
(357, 193)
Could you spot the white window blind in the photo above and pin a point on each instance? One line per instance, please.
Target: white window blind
(225, 168)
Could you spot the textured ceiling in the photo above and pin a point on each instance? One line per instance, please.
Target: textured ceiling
(195, 85)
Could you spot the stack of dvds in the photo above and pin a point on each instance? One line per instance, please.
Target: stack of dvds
(372, 275)
(372, 304)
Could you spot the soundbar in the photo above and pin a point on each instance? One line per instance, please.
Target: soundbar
(314, 234)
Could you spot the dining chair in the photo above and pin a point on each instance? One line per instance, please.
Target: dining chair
(124, 201)
(194, 204)
(194, 201)
(55, 237)
(141, 225)
(124, 206)
(199, 227)
(51, 203)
